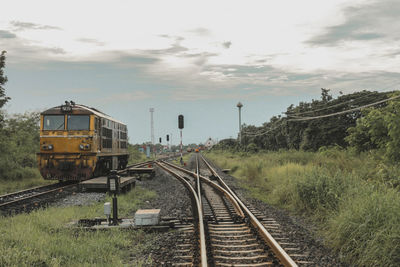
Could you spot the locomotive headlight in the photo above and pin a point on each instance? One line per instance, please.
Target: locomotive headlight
(47, 147)
(84, 146)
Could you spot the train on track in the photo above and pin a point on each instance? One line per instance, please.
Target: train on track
(79, 142)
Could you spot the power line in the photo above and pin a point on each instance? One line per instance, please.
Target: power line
(250, 134)
(261, 133)
(343, 112)
(325, 108)
(339, 104)
(317, 117)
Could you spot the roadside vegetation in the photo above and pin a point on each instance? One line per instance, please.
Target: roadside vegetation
(305, 127)
(19, 142)
(42, 237)
(135, 155)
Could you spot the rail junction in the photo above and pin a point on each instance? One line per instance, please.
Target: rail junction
(229, 232)
(223, 231)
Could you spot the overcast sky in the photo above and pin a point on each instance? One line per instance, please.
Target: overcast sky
(196, 58)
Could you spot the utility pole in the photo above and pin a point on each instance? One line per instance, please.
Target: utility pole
(152, 129)
(240, 105)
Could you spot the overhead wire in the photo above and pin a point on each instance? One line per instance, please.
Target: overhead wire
(293, 113)
(343, 112)
(339, 104)
(325, 108)
(318, 117)
(260, 133)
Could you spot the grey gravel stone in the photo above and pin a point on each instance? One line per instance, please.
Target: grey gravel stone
(80, 199)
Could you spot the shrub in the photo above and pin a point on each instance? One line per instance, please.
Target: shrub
(319, 191)
(252, 170)
(252, 148)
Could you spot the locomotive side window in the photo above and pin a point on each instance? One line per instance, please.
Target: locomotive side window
(78, 122)
(53, 122)
(96, 124)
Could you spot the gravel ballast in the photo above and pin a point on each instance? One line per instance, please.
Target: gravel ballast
(173, 201)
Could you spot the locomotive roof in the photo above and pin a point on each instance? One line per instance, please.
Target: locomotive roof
(79, 109)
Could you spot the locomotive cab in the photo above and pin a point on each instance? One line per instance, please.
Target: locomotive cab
(78, 142)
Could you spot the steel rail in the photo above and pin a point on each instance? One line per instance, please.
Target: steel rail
(135, 165)
(284, 258)
(235, 204)
(30, 190)
(203, 250)
(198, 180)
(35, 195)
(24, 191)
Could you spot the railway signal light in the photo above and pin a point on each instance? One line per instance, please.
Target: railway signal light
(180, 121)
(113, 181)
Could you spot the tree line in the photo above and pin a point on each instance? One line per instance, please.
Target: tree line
(343, 121)
(19, 137)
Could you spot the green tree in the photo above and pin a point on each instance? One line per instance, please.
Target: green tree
(289, 133)
(3, 80)
(19, 141)
(379, 128)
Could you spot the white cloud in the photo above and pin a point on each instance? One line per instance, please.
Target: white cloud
(203, 45)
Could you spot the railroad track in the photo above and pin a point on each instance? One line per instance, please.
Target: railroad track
(29, 199)
(233, 235)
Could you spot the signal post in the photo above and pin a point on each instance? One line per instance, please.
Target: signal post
(180, 126)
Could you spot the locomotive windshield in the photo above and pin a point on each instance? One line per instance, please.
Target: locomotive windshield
(53, 122)
(78, 122)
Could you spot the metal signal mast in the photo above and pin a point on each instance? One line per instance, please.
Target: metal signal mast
(152, 125)
(180, 126)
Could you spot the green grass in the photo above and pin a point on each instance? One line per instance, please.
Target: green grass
(41, 238)
(136, 156)
(353, 199)
(185, 159)
(366, 227)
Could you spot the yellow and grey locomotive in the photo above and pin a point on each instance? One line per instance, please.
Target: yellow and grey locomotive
(78, 142)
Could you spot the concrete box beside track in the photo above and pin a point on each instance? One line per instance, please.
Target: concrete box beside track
(147, 217)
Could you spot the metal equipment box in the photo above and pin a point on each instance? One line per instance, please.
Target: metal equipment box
(147, 217)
